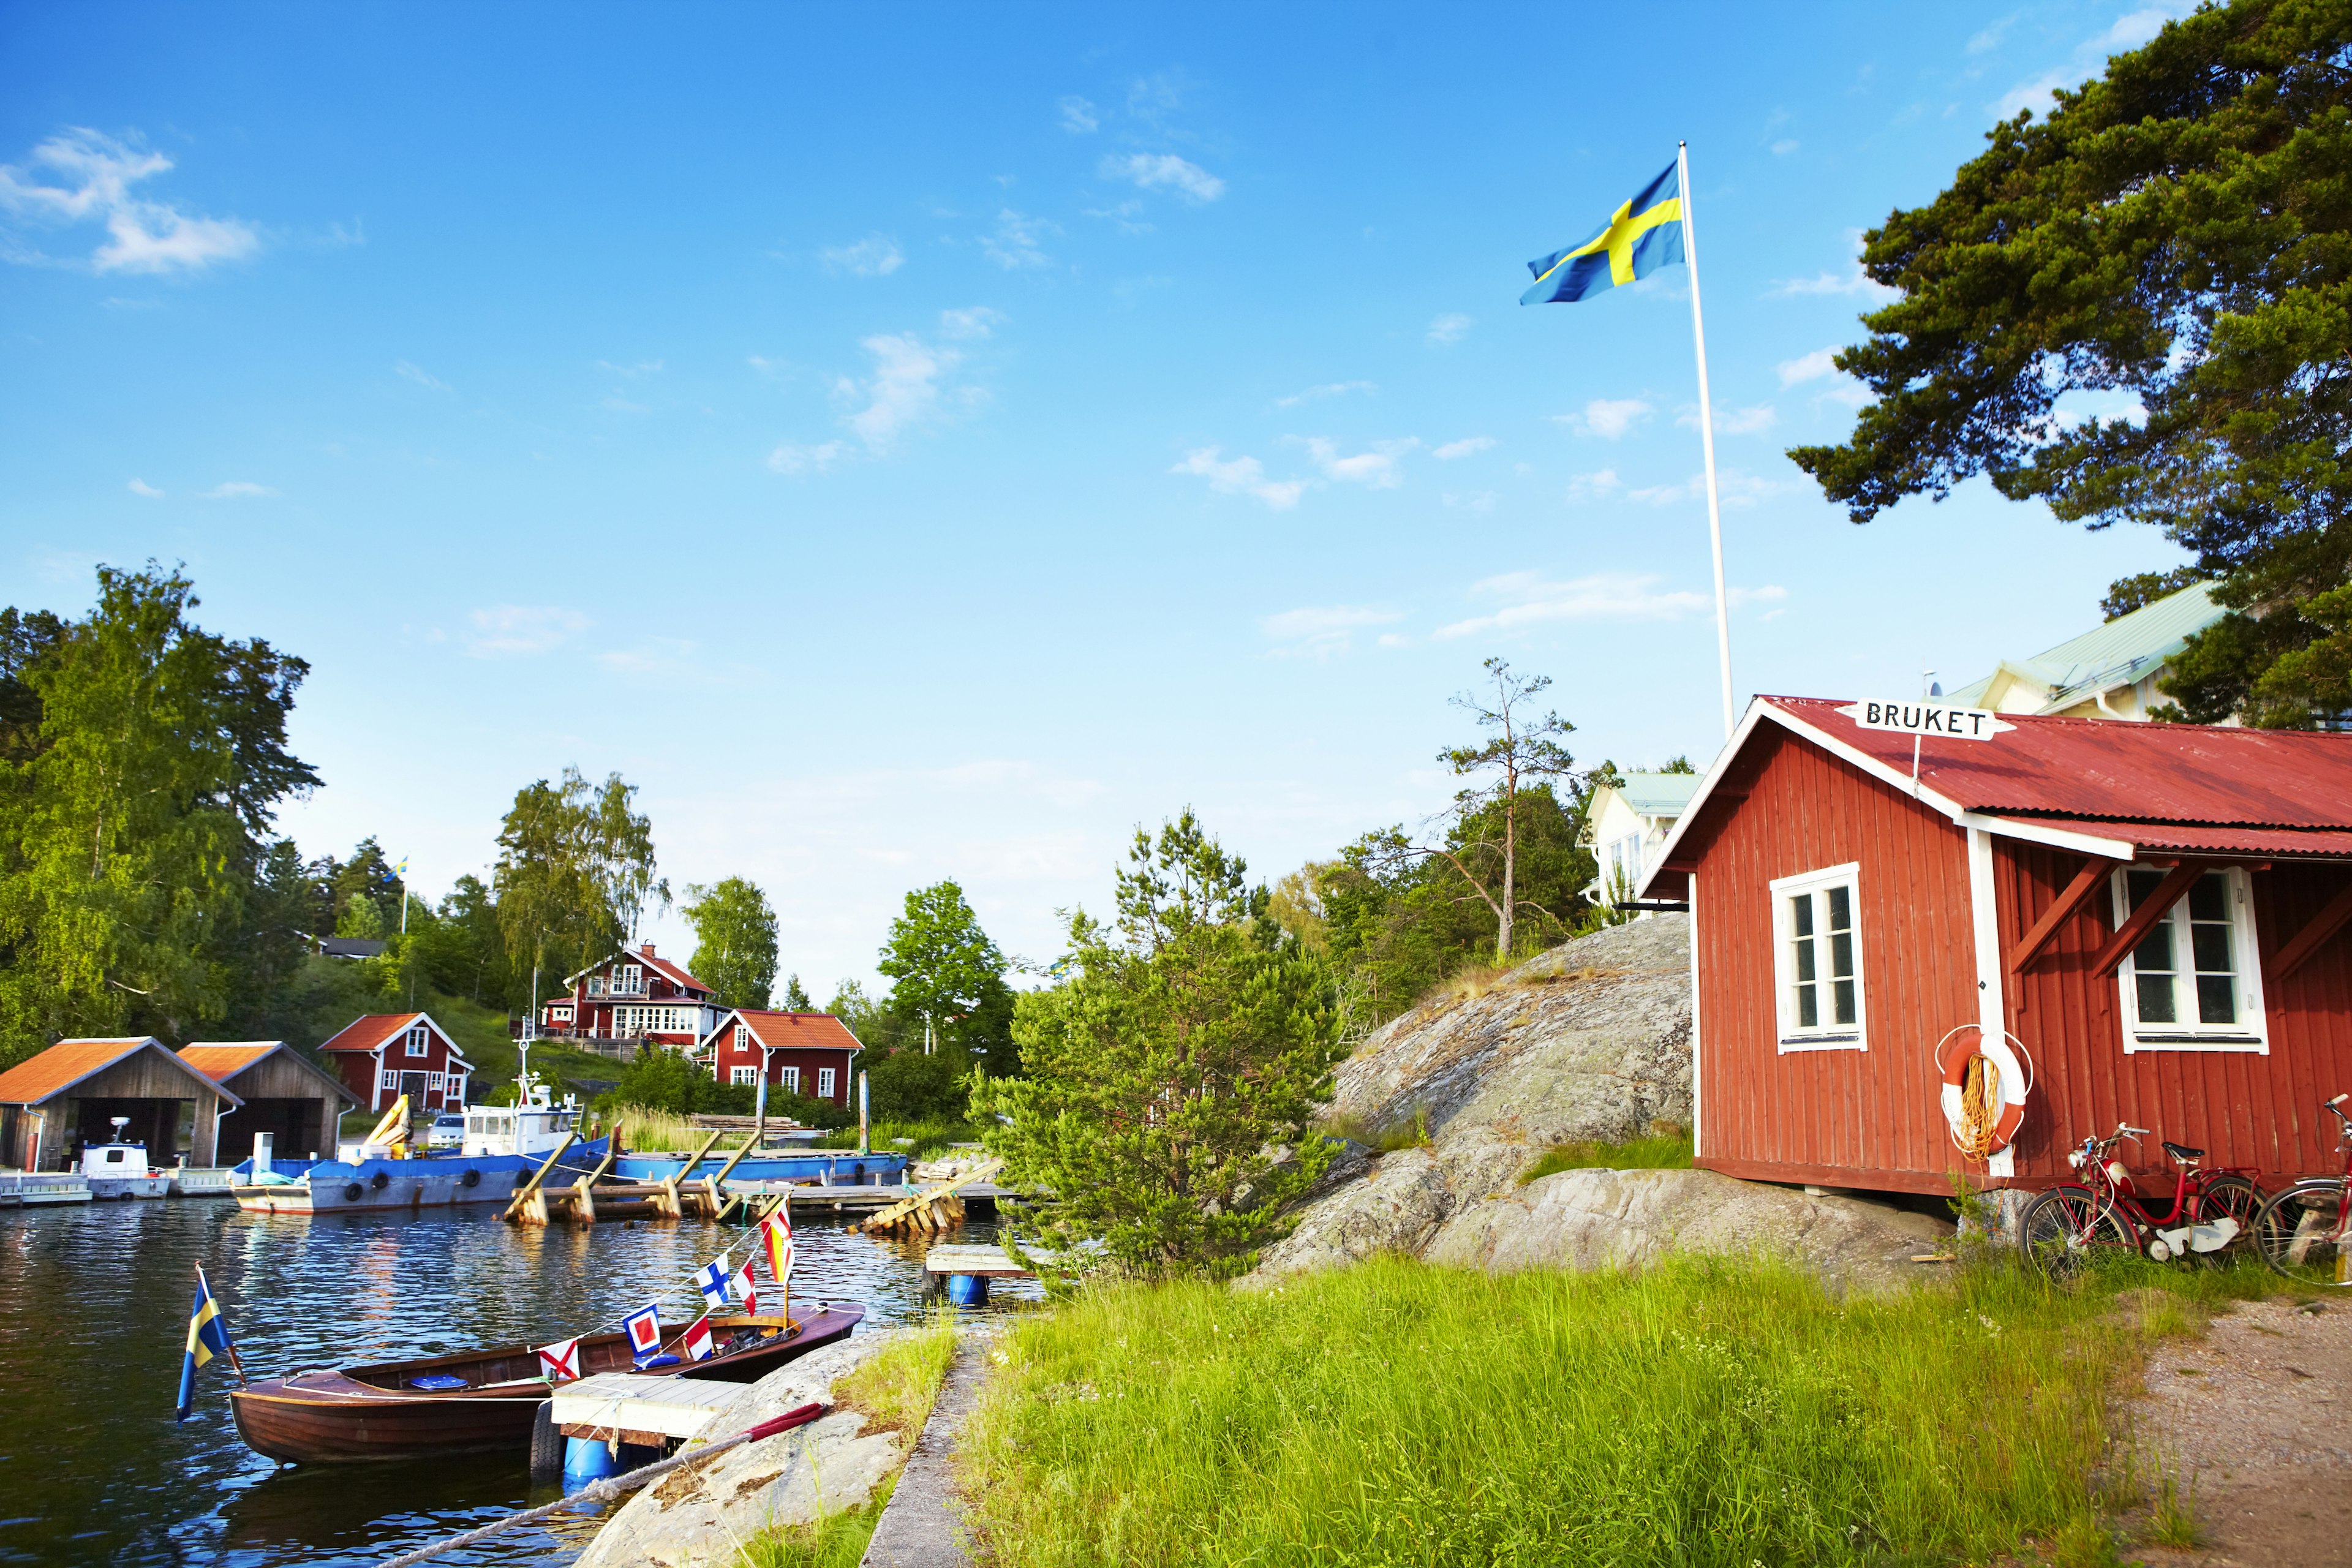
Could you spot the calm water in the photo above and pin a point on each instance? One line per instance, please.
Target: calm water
(93, 1315)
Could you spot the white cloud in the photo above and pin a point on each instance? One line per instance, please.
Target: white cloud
(1607, 417)
(234, 490)
(2128, 31)
(1732, 421)
(1078, 116)
(903, 390)
(141, 488)
(1448, 328)
(1319, 632)
(1125, 216)
(1809, 367)
(522, 629)
(1376, 468)
(1471, 500)
(1599, 485)
(421, 376)
(1328, 389)
(1783, 147)
(1527, 598)
(1239, 475)
(1165, 170)
(875, 256)
(972, 322)
(1853, 281)
(1989, 38)
(1469, 445)
(643, 367)
(95, 174)
(1017, 241)
(793, 459)
(1732, 488)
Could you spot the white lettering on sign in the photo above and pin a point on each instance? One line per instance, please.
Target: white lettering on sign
(1926, 718)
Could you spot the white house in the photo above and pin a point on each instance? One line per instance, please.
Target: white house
(2109, 672)
(1626, 823)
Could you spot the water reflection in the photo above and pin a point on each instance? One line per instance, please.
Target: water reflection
(93, 1312)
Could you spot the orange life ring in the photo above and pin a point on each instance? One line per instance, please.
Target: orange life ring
(1984, 1103)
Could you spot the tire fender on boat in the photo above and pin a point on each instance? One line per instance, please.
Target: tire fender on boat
(380, 1180)
(473, 1178)
(352, 1192)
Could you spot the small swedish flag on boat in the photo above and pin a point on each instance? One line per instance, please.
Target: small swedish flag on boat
(1642, 236)
(207, 1336)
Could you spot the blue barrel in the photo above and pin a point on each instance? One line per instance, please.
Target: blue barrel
(587, 1459)
(968, 1289)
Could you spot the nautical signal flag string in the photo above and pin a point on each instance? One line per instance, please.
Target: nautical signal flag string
(207, 1336)
(716, 1279)
(1642, 234)
(776, 1231)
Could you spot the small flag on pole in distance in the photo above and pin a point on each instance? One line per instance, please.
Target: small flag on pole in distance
(644, 1326)
(559, 1362)
(1642, 236)
(776, 1230)
(713, 1280)
(745, 1292)
(697, 1339)
(207, 1336)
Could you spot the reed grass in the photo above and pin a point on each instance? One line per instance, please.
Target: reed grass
(1704, 1413)
(1666, 1148)
(645, 1130)
(894, 1387)
(926, 1139)
(836, 1540)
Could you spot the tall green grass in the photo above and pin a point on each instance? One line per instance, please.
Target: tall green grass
(1666, 1148)
(925, 1140)
(1704, 1414)
(836, 1540)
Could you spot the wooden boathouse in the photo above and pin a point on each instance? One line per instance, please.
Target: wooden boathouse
(300, 1105)
(53, 1104)
(2060, 926)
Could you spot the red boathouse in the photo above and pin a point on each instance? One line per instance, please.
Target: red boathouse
(805, 1053)
(2128, 921)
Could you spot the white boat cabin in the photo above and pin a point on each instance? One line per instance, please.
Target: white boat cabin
(535, 1127)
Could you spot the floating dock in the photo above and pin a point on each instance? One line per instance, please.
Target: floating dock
(24, 1189)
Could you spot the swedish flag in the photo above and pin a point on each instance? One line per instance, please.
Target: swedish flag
(1641, 237)
(207, 1336)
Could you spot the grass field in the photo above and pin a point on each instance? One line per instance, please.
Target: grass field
(1668, 1148)
(1701, 1414)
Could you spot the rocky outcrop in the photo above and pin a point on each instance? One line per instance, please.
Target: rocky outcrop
(1589, 1042)
(702, 1514)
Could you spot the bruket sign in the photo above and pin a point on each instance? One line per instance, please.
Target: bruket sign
(1926, 718)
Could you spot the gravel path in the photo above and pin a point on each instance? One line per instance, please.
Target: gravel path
(2256, 1413)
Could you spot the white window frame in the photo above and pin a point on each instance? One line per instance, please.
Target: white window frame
(824, 1083)
(746, 1075)
(792, 1080)
(420, 1042)
(1790, 1034)
(628, 980)
(2250, 1034)
(390, 1080)
(595, 986)
(742, 1037)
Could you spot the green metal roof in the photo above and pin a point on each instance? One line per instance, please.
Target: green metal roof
(2126, 649)
(1659, 794)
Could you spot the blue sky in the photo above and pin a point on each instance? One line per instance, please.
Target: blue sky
(934, 446)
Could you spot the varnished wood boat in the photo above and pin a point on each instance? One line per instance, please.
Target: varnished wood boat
(384, 1412)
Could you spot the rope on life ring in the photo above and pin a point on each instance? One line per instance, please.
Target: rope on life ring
(1980, 1112)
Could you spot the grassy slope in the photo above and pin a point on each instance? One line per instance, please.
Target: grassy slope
(1700, 1413)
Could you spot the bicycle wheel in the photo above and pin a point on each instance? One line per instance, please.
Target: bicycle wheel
(2061, 1229)
(2240, 1200)
(2300, 1232)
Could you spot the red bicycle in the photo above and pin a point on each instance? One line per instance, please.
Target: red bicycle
(2067, 1225)
(2301, 1230)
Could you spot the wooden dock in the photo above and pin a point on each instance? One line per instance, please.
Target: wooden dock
(990, 1262)
(647, 1411)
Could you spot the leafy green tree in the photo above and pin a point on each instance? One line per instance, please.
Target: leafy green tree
(2175, 232)
(1167, 1075)
(735, 940)
(949, 972)
(145, 759)
(795, 999)
(574, 874)
(909, 1086)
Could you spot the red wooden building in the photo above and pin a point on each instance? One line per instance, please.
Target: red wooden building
(2149, 912)
(806, 1053)
(621, 1001)
(383, 1056)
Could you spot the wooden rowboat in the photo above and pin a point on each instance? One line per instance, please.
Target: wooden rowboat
(486, 1399)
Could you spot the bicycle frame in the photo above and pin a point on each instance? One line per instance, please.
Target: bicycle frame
(2109, 1184)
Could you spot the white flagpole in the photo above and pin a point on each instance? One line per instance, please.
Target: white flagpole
(1706, 439)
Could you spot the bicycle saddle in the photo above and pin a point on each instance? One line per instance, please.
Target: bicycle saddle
(2182, 1151)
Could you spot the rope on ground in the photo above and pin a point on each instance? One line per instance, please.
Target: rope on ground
(613, 1486)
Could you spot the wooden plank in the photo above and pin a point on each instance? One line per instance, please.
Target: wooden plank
(991, 1261)
(2080, 891)
(2313, 936)
(531, 1187)
(673, 1406)
(2141, 921)
(906, 1206)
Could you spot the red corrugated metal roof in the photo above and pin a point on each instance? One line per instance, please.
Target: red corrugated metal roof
(68, 1062)
(795, 1031)
(2120, 771)
(2191, 838)
(222, 1063)
(367, 1033)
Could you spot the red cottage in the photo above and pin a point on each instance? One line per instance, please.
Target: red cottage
(386, 1054)
(2130, 921)
(621, 1001)
(805, 1053)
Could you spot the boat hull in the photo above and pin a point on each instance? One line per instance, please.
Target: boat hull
(439, 1181)
(104, 1187)
(365, 1413)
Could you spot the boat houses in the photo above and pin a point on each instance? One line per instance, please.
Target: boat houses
(383, 1056)
(2065, 924)
(802, 1052)
(300, 1105)
(53, 1104)
(1625, 823)
(631, 996)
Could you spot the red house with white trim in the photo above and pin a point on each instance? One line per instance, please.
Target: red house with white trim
(2129, 922)
(806, 1053)
(629, 998)
(383, 1056)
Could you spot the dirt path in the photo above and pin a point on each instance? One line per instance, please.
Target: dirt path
(2259, 1415)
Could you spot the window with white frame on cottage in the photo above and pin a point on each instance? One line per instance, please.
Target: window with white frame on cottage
(1625, 866)
(390, 1080)
(742, 1037)
(2193, 982)
(824, 1083)
(1817, 959)
(628, 978)
(792, 1080)
(417, 1038)
(595, 986)
(743, 1075)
